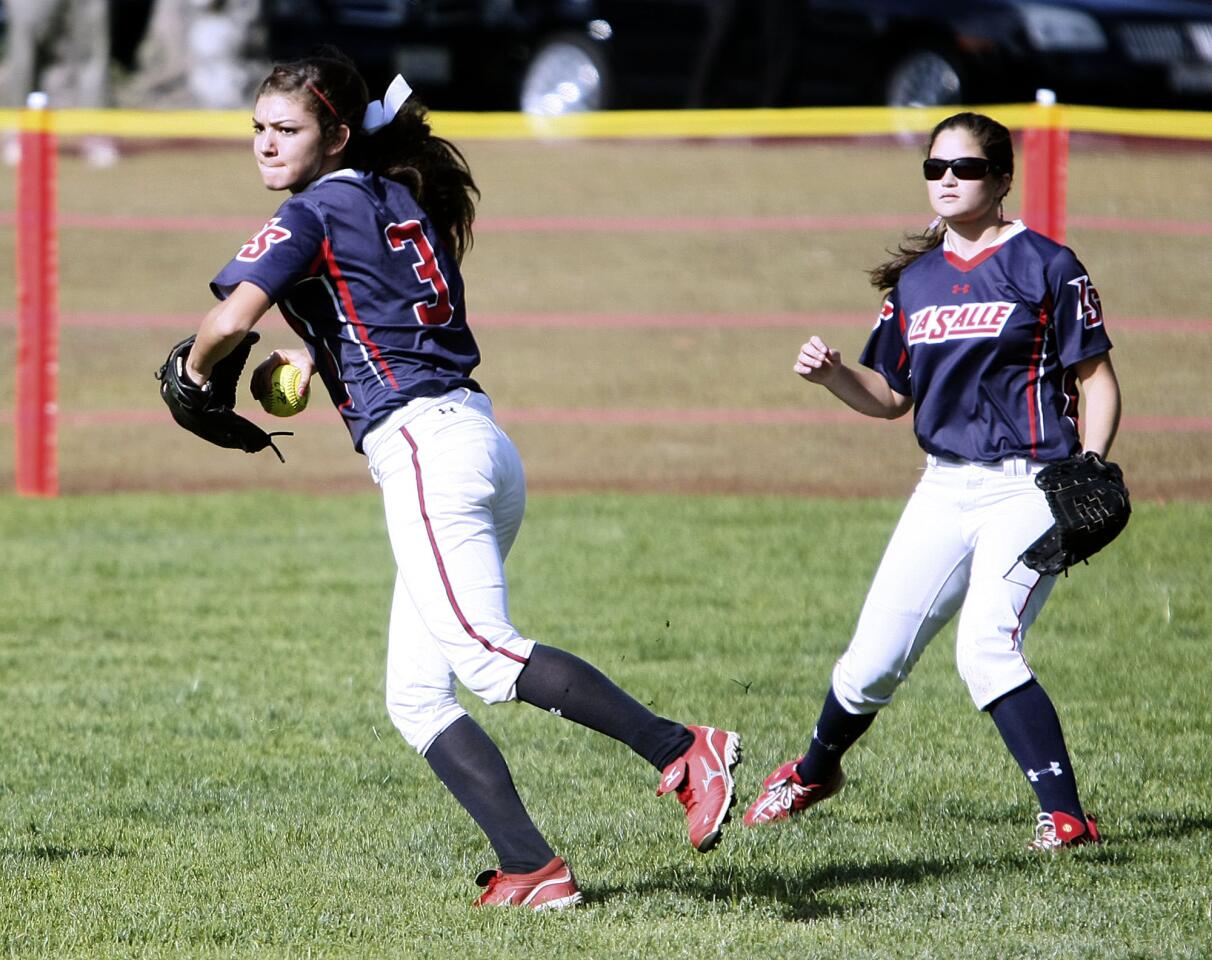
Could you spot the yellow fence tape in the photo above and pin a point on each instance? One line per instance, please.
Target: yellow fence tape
(644, 124)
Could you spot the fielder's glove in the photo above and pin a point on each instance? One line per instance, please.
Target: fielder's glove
(1090, 507)
(209, 411)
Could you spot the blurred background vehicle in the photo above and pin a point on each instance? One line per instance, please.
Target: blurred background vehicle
(566, 55)
(558, 56)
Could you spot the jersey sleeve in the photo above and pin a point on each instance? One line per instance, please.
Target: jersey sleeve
(1076, 310)
(885, 352)
(286, 249)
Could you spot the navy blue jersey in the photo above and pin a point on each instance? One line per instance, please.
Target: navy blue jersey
(986, 348)
(362, 277)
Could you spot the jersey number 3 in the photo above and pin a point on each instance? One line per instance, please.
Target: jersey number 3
(436, 309)
(259, 244)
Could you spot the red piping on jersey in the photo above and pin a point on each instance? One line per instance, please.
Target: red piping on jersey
(1033, 375)
(437, 556)
(904, 357)
(347, 301)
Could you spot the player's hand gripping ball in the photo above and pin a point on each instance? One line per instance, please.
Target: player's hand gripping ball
(283, 398)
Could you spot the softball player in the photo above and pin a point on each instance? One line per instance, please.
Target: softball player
(987, 331)
(363, 260)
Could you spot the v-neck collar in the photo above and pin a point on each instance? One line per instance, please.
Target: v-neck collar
(982, 255)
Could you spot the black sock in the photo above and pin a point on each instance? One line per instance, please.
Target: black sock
(1028, 723)
(834, 734)
(469, 763)
(571, 688)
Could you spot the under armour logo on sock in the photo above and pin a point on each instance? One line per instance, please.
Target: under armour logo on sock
(1053, 768)
(556, 712)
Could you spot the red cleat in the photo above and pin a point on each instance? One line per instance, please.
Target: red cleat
(1058, 830)
(702, 777)
(550, 888)
(784, 794)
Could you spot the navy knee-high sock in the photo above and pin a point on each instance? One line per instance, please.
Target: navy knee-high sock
(568, 686)
(469, 763)
(1028, 723)
(834, 734)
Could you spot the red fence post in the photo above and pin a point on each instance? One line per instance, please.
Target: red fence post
(37, 469)
(1046, 169)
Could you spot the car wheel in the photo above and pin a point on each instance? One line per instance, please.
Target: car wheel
(924, 78)
(567, 74)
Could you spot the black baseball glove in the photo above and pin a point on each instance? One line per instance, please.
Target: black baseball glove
(209, 411)
(1090, 507)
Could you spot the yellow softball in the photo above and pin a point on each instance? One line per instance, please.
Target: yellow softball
(283, 398)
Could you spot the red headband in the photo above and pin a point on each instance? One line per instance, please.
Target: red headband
(323, 99)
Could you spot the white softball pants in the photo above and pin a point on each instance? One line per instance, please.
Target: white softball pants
(454, 493)
(957, 543)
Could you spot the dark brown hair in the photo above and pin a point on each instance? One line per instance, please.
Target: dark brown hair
(994, 140)
(406, 150)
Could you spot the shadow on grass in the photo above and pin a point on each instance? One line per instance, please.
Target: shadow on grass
(1160, 825)
(804, 896)
(797, 896)
(51, 853)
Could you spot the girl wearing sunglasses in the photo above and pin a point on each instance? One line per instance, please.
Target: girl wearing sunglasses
(987, 332)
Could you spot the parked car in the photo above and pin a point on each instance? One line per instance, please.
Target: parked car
(568, 55)
(1125, 52)
(557, 56)
(457, 54)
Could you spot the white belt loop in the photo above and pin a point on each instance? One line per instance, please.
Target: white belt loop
(1020, 466)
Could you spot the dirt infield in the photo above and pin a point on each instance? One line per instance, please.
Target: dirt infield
(638, 306)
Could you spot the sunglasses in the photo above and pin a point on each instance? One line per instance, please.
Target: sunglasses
(964, 168)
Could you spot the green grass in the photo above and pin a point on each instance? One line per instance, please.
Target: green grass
(196, 761)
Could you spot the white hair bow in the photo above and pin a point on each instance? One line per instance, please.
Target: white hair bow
(379, 113)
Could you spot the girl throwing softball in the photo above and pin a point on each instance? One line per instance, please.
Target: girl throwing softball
(363, 261)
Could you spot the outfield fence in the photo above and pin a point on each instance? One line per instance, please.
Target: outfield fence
(1043, 130)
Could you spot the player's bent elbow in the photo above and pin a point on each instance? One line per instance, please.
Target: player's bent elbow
(223, 325)
(897, 407)
(238, 314)
(231, 324)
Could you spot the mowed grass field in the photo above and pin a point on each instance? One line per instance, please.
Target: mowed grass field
(197, 761)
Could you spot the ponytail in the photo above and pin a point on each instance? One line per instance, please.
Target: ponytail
(433, 168)
(888, 274)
